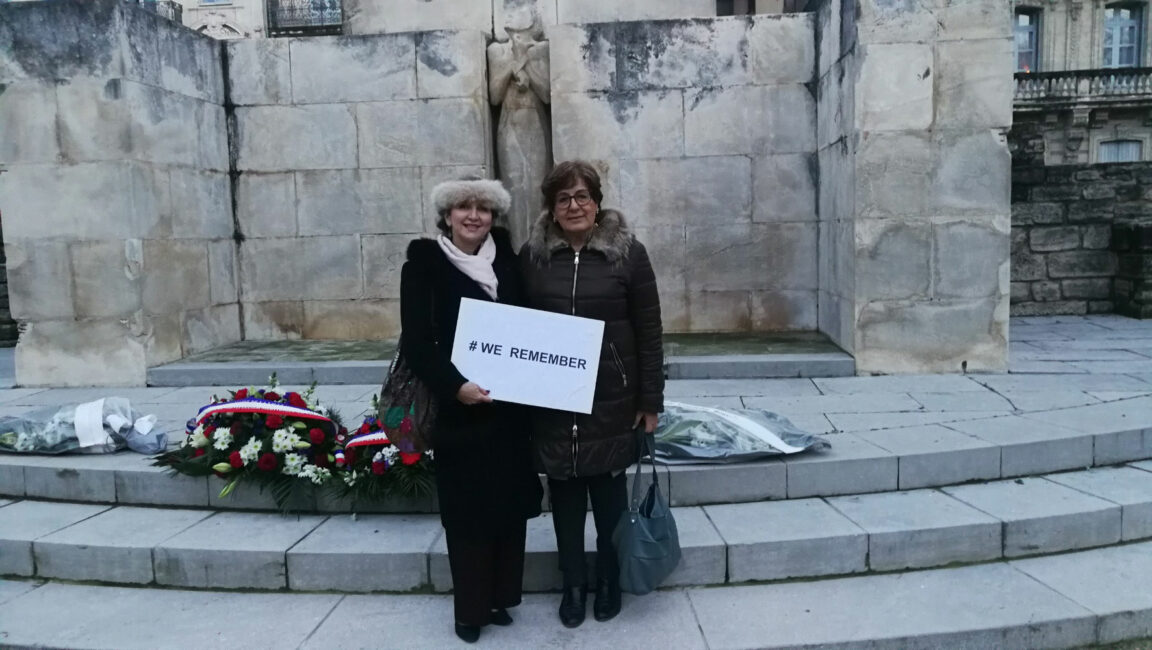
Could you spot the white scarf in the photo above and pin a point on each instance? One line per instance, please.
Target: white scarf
(478, 266)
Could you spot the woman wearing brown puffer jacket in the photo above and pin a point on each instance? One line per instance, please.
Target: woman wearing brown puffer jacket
(582, 260)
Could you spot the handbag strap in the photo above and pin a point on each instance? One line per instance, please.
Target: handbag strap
(647, 448)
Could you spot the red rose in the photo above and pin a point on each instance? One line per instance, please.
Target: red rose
(270, 395)
(242, 393)
(267, 462)
(295, 400)
(199, 452)
(235, 460)
(350, 456)
(316, 436)
(236, 428)
(321, 460)
(344, 430)
(406, 424)
(365, 428)
(378, 468)
(409, 459)
(274, 422)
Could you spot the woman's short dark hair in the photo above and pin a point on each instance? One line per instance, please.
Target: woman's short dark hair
(565, 175)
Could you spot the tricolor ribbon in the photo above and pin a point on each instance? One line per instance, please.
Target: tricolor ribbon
(257, 405)
(365, 439)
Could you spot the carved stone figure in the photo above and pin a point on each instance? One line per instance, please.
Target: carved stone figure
(518, 83)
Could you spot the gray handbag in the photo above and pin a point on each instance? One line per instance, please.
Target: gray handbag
(646, 540)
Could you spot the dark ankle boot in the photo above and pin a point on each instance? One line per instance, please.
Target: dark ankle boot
(607, 603)
(501, 617)
(573, 605)
(468, 633)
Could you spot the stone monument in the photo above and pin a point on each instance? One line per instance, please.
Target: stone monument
(519, 83)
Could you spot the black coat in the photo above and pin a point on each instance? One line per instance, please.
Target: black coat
(484, 475)
(614, 282)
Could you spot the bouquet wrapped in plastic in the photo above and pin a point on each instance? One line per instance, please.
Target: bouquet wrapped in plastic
(701, 434)
(98, 427)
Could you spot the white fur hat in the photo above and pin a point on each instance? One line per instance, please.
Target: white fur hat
(448, 194)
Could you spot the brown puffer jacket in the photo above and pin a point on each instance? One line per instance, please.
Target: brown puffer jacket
(611, 280)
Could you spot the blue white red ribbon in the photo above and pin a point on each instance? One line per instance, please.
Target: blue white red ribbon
(365, 439)
(257, 405)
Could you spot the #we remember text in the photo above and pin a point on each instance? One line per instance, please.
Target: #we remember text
(530, 355)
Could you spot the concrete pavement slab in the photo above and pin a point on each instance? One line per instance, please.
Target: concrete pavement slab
(677, 388)
(141, 484)
(11, 477)
(785, 539)
(128, 618)
(691, 485)
(850, 403)
(966, 401)
(922, 528)
(12, 589)
(232, 550)
(57, 477)
(1028, 447)
(1121, 428)
(851, 466)
(74, 396)
(1018, 367)
(370, 553)
(934, 455)
(1145, 465)
(1111, 582)
(16, 396)
(713, 401)
(1119, 367)
(1129, 487)
(855, 422)
(1094, 344)
(1043, 517)
(23, 522)
(1083, 382)
(114, 546)
(657, 621)
(896, 384)
(1075, 355)
(1047, 400)
(1115, 396)
(969, 607)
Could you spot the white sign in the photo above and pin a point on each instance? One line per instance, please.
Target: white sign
(528, 356)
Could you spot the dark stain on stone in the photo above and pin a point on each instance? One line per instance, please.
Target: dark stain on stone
(702, 94)
(927, 73)
(67, 473)
(113, 89)
(64, 39)
(625, 105)
(3, 87)
(432, 49)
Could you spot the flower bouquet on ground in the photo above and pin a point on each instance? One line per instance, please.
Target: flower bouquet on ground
(373, 468)
(282, 442)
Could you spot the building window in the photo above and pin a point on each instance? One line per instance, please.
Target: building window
(1027, 32)
(1123, 36)
(1119, 151)
(215, 2)
(735, 7)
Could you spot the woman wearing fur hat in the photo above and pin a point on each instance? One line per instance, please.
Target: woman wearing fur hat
(484, 478)
(582, 260)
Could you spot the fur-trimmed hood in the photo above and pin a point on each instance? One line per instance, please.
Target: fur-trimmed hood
(611, 237)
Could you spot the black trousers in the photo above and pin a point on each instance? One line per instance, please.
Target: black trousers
(609, 496)
(487, 572)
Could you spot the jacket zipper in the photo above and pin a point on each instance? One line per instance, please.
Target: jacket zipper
(575, 430)
(619, 364)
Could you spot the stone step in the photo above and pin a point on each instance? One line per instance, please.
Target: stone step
(740, 366)
(858, 463)
(1080, 599)
(722, 545)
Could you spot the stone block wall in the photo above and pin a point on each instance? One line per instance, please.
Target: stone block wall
(705, 135)
(1064, 258)
(337, 142)
(1132, 288)
(117, 206)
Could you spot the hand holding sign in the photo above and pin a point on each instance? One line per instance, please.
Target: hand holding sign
(527, 356)
(470, 394)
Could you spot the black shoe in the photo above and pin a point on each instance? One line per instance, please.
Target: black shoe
(468, 633)
(607, 603)
(500, 617)
(573, 606)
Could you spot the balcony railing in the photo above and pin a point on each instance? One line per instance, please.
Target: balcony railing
(305, 17)
(170, 9)
(1104, 86)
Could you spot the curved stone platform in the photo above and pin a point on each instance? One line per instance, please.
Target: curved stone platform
(722, 544)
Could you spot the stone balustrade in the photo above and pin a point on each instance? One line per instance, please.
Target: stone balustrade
(1043, 89)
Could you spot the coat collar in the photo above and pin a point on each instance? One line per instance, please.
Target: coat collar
(610, 237)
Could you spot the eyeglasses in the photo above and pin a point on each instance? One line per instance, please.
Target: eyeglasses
(581, 199)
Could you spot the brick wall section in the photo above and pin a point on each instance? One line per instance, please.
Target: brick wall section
(1063, 261)
(1132, 288)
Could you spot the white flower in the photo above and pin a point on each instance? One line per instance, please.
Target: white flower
(350, 478)
(198, 439)
(251, 450)
(223, 438)
(25, 442)
(430, 456)
(317, 474)
(293, 463)
(283, 440)
(390, 453)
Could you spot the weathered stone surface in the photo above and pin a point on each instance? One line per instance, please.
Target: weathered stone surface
(383, 256)
(372, 68)
(1038, 213)
(266, 204)
(719, 257)
(892, 174)
(1126, 486)
(932, 337)
(29, 520)
(349, 202)
(273, 320)
(287, 138)
(352, 320)
(1094, 288)
(850, 467)
(600, 11)
(652, 191)
(974, 89)
(1078, 264)
(971, 258)
(392, 16)
(114, 546)
(39, 279)
(1097, 237)
(308, 268)
(971, 173)
(784, 188)
(85, 353)
(972, 19)
(618, 125)
(175, 275)
(1028, 447)
(388, 134)
(259, 71)
(1054, 239)
(212, 327)
(450, 64)
(895, 87)
(782, 539)
(222, 276)
(371, 553)
(582, 58)
(455, 131)
(201, 204)
(32, 105)
(775, 311)
(893, 258)
(933, 455)
(749, 120)
(896, 22)
(106, 277)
